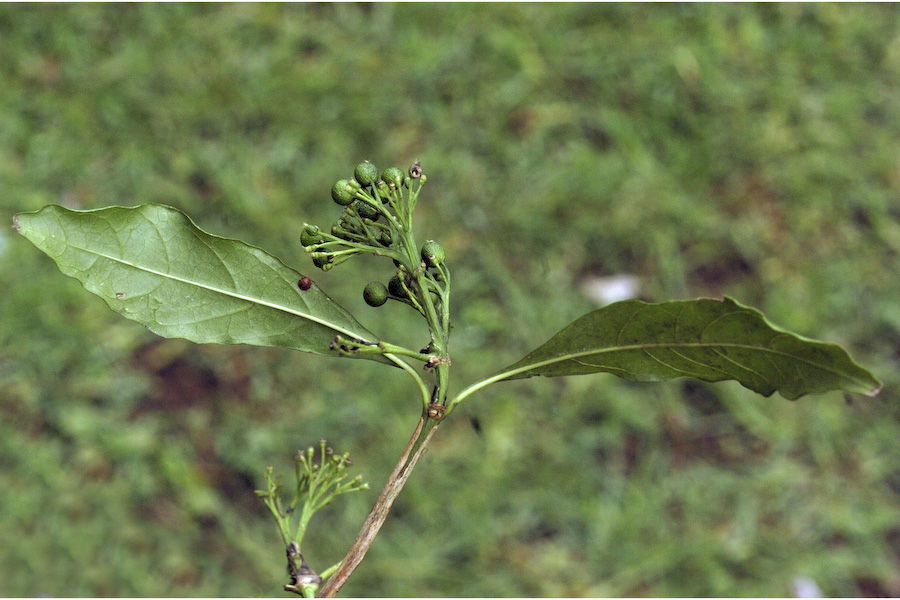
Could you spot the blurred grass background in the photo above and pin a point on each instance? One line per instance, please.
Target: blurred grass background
(707, 150)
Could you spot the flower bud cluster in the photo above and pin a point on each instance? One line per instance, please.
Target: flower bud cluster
(321, 476)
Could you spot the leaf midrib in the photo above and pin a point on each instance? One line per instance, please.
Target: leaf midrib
(675, 345)
(224, 292)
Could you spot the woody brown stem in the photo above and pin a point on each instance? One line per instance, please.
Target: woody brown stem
(414, 450)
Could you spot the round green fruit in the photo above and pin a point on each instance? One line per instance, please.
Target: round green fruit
(395, 287)
(393, 175)
(341, 192)
(432, 253)
(375, 294)
(366, 173)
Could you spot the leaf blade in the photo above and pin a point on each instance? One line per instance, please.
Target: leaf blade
(711, 340)
(153, 265)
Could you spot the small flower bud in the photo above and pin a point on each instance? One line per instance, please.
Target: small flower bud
(383, 190)
(322, 260)
(344, 231)
(310, 236)
(365, 210)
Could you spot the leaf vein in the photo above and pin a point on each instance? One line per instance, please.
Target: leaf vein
(225, 292)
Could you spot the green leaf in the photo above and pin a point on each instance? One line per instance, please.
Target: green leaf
(151, 264)
(712, 340)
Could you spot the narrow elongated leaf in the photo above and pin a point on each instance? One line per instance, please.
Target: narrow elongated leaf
(712, 340)
(151, 264)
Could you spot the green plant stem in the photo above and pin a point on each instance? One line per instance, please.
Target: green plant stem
(426, 397)
(303, 523)
(414, 450)
(327, 572)
(388, 348)
(439, 335)
(479, 385)
(437, 325)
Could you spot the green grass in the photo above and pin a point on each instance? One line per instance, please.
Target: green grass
(707, 149)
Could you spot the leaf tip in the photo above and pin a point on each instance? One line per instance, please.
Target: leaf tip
(875, 390)
(16, 225)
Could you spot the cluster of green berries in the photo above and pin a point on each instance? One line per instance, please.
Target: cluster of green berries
(401, 284)
(377, 219)
(374, 209)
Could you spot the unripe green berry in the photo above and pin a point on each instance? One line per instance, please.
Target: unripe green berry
(375, 294)
(432, 253)
(393, 175)
(341, 192)
(365, 210)
(310, 236)
(395, 287)
(366, 173)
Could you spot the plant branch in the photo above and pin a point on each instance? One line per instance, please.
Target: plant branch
(414, 450)
(479, 385)
(426, 398)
